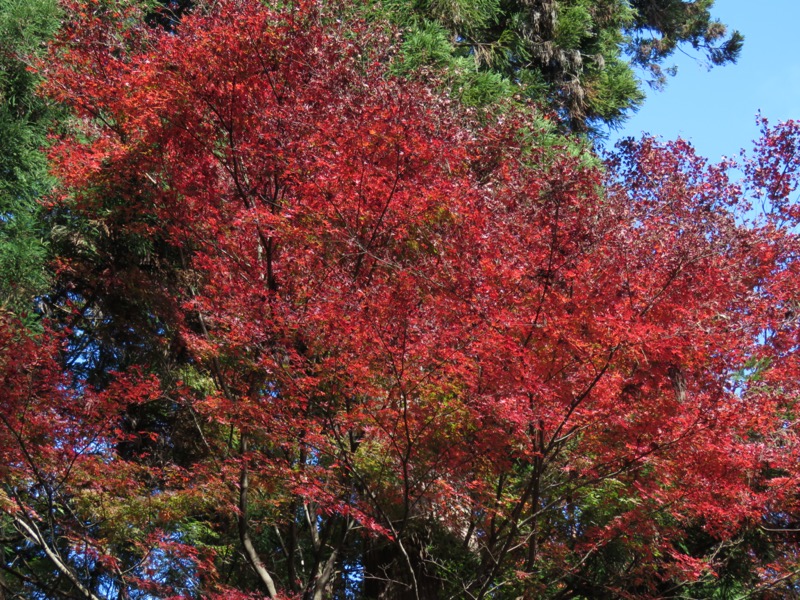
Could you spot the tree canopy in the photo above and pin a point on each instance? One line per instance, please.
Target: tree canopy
(318, 330)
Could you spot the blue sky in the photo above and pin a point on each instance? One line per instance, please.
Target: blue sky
(716, 109)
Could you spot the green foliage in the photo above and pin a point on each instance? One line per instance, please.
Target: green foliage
(576, 57)
(24, 120)
(428, 50)
(426, 46)
(573, 26)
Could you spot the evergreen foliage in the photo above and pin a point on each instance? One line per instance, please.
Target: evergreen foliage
(577, 57)
(24, 122)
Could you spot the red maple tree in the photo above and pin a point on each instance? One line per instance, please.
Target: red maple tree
(423, 353)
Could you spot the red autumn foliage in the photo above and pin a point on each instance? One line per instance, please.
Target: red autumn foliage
(447, 358)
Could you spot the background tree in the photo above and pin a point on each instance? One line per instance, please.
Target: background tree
(577, 57)
(24, 122)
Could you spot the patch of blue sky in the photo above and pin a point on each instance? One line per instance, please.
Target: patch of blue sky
(716, 109)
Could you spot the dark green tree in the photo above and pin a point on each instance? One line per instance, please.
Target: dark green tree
(578, 57)
(24, 122)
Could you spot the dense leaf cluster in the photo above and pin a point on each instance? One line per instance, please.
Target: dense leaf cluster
(317, 329)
